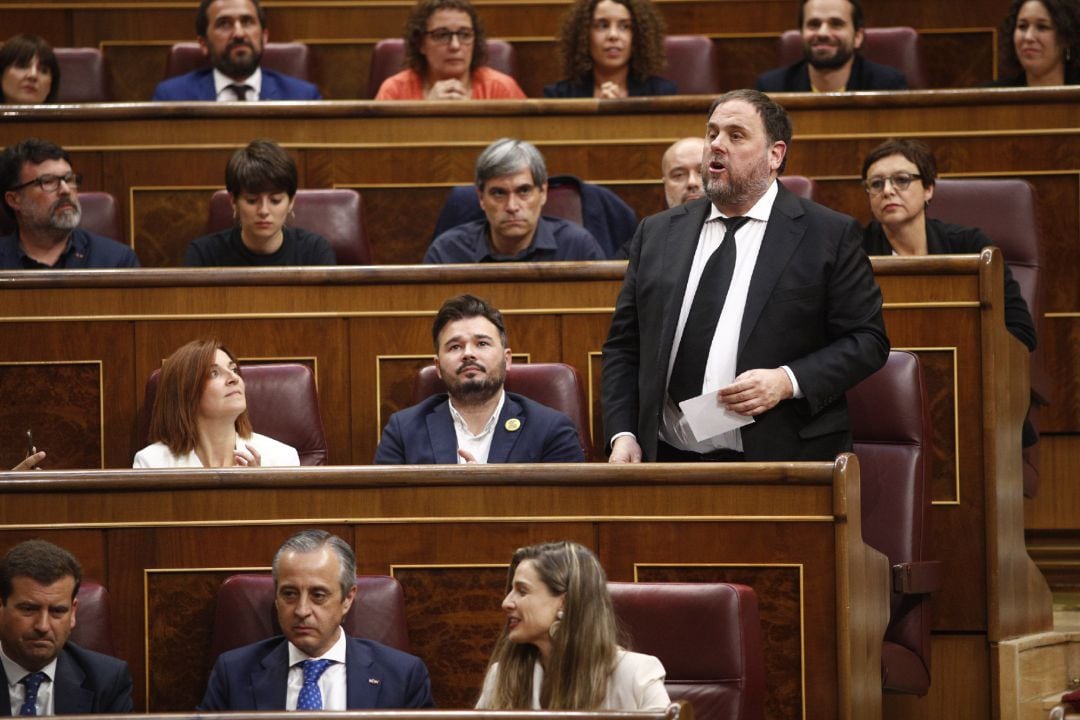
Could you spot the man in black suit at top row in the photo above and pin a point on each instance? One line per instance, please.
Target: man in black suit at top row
(775, 325)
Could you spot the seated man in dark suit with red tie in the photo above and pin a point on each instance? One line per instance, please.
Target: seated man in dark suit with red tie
(315, 666)
(233, 33)
(744, 316)
(43, 672)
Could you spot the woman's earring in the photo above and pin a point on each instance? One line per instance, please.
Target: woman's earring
(554, 627)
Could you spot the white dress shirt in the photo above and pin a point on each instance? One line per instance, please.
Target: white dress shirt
(332, 683)
(225, 93)
(17, 691)
(478, 445)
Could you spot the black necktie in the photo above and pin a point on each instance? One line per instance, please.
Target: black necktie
(32, 682)
(240, 91)
(688, 373)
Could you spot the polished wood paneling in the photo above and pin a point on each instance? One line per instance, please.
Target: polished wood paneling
(795, 527)
(959, 674)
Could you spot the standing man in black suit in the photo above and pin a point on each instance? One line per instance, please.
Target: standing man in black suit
(44, 673)
(791, 319)
(832, 33)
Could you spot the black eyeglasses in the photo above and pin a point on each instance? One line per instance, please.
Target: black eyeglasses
(51, 183)
(900, 181)
(442, 36)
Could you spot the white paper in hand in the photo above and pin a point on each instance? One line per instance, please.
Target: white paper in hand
(708, 418)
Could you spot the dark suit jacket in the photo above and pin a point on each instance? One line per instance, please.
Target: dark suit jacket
(812, 305)
(86, 682)
(584, 88)
(255, 677)
(424, 435)
(199, 85)
(865, 75)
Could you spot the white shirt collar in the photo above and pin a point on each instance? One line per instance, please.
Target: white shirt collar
(336, 652)
(16, 672)
(460, 423)
(222, 81)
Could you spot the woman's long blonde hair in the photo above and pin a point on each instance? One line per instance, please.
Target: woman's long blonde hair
(583, 642)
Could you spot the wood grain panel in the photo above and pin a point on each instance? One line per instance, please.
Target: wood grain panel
(939, 374)
(62, 404)
(959, 671)
(1054, 507)
(165, 223)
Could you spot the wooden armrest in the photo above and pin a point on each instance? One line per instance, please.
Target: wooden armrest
(683, 710)
(917, 577)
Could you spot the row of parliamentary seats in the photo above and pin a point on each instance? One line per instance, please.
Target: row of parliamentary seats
(609, 49)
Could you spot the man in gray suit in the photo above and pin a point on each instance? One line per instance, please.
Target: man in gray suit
(774, 328)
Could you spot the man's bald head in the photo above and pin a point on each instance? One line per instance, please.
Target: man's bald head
(681, 169)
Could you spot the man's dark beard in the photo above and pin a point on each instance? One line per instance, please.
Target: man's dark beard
(739, 189)
(476, 392)
(837, 60)
(239, 69)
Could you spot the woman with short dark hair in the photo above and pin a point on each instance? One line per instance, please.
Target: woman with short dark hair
(29, 71)
(261, 179)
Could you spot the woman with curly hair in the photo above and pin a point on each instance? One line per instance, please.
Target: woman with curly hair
(29, 71)
(1040, 43)
(611, 49)
(446, 48)
(558, 647)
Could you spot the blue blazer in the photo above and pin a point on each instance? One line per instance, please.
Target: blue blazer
(199, 85)
(424, 435)
(86, 682)
(254, 677)
(865, 75)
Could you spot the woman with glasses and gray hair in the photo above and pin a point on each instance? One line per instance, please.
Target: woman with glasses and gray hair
(445, 50)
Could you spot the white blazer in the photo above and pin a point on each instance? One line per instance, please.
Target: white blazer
(274, 454)
(636, 683)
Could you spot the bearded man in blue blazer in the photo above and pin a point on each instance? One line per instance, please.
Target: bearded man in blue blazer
(779, 337)
(476, 420)
(316, 666)
(232, 34)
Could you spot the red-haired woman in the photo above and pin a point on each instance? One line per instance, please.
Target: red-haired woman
(200, 415)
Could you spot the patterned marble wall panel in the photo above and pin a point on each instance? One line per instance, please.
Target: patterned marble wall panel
(395, 240)
(62, 404)
(165, 220)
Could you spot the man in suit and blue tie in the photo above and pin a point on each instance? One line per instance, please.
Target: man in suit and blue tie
(772, 328)
(476, 420)
(232, 34)
(316, 666)
(43, 672)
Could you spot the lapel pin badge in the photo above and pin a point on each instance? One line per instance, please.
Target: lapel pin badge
(374, 681)
(513, 425)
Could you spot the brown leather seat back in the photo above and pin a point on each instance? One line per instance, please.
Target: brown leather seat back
(800, 185)
(707, 635)
(84, 76)
(692, 64)
(896, 47)
(388, 58)
(282, 403)
(556, 385)
(336, 214)
(288, 58)
(93, 630)
(244, 612)
(890, 425)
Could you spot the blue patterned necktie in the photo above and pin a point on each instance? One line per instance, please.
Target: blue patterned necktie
(32, 682)
(310, 697)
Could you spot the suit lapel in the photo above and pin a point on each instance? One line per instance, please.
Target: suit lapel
(269, 89)
(782, 235)
(683, 232)
(362, 684)
(5, 696)
(440, 426)
(269, 684)
(69, 696)
(503, 441)
(206, 86)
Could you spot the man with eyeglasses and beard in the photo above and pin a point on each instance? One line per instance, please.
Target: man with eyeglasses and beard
(232, 34)
(41, 195)
(832, 34)
(475, 421)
